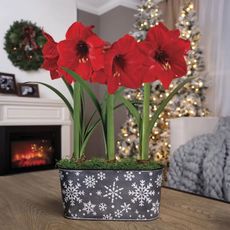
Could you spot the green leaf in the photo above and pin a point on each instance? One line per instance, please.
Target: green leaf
(88, 135)
(86, 88)
(91, 95)
(165, 102)
(131, 109)
(89, 122)
(118, 93)
(82, 109)
(69, 87)
(64, 99)
(77, 124)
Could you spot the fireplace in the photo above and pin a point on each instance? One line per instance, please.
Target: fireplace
(29, 148)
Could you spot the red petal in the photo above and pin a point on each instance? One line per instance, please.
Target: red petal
(179, 66)
(50, 48)
(95, 42)
(84, 70)
(112, 85)
(166, 78)
(50, 63)
(109, 56)
(148, 48)
(54, 74)
(158, 34)
(125, 44)
(78, 31)
(177, 47)
(152, 73)
(68, 57)
(99, 77)
(97, 59)
(48, 37)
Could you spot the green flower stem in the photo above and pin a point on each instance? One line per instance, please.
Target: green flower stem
(144, 140)
(110, 128)
(77, 121)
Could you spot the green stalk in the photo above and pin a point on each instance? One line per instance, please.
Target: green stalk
(77, 121)
(110, 128)
(144, 136)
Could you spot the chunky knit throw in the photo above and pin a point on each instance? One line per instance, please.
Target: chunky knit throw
(202, 165)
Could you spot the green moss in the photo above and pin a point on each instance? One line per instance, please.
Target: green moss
(99, 164)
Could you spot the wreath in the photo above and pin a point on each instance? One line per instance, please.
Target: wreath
(23, 44)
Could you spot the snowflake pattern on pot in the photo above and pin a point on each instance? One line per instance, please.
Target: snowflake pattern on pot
(102, 207)
(155, 207)
(142, 193)
(90, 181)
(89, 208)
(111, 194)
(101, 176)
(113, 191)
(158, 181)
(71, 192)
(129, 176)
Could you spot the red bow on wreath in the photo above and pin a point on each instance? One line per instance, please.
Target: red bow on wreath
(29, 42)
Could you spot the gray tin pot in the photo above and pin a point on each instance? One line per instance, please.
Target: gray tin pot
(111, 194)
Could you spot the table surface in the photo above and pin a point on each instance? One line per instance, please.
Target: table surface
(32, 201)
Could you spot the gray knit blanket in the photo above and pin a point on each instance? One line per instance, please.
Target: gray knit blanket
(202, 165)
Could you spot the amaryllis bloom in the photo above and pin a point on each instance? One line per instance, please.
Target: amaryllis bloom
(123, 64)
(50, 56)
(165, 53)
(82, 52)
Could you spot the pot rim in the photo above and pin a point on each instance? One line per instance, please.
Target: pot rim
(133, 170)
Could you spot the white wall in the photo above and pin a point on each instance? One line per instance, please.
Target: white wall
(55, 16)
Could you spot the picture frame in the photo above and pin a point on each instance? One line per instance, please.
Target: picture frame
(28, 90)
(8, 83)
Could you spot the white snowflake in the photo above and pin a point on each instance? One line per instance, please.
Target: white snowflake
(61, 175)
(89, 208)
(142, 193)
(155, 207)
(77, 173)
(113, 192)
(102, 207)
(129, 176)
(101, 176)
(141, 217)
(125, 207)
(107, 217)
(90, 181)
(158, 181)
(118, 213)
(99, 192)
(71, 192)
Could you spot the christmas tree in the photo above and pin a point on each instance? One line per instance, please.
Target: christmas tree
(188, 102)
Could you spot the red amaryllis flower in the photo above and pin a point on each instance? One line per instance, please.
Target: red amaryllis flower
(123, 64)
(50, 56)
(165, 55)
(82, 52)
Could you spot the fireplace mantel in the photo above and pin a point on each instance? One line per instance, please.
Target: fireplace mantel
(20, 111)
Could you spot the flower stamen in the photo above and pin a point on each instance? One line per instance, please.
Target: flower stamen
(162, 57)
(82, 50)
(116, 74)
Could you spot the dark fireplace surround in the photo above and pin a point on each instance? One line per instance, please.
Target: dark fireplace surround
(29, 148)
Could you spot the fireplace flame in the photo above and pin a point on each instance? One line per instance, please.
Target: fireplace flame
(33, 156)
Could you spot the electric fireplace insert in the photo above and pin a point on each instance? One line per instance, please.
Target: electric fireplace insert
(29, 148)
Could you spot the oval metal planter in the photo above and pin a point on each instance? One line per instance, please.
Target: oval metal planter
(111, 194)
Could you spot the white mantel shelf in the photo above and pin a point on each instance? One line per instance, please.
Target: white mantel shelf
(37, 111)
(21, 111)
